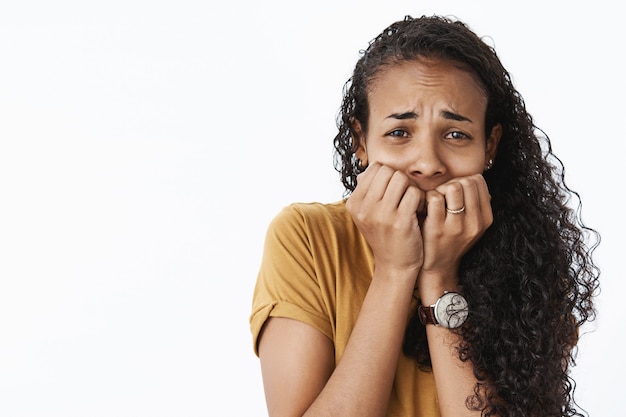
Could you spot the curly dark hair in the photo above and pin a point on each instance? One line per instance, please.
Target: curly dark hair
(530, 281)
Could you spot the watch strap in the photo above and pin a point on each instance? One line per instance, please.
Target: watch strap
(426, 314)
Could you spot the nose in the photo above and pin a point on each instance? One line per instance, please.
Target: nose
(426, 162)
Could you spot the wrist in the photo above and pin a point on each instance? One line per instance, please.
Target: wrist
(395, 273)
(450, 311)
(432, 285)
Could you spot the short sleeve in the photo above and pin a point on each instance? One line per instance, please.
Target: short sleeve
(287, 283)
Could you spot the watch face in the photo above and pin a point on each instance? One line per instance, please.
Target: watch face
(451, 310)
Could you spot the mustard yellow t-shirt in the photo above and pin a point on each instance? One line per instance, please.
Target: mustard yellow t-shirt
(316, 268)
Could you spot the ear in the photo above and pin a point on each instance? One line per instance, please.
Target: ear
(361, 149)
(491, 148)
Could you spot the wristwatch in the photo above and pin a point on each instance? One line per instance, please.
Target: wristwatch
(450, 311)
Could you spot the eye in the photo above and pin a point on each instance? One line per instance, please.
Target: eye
(457, 135)
(398, 133)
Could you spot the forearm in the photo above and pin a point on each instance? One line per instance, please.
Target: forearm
(454, 379)
(362, 382)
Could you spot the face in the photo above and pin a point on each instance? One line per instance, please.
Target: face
(427, 119)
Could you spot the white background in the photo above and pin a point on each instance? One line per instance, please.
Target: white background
(145, 146)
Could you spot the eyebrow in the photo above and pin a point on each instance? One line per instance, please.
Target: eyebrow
(455, 116)
(444, 113)
(403, 116)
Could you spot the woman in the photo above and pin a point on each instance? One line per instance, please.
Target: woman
(454, 278)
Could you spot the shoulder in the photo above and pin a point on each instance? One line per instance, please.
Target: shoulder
(313, 227)
(316, 209)
(312, 215)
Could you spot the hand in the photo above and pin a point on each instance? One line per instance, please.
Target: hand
(384, 206)
(448, 236)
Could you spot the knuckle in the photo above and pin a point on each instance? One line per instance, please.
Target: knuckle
(465, 182)
(412, 192)
(399, 178)
(382, 168)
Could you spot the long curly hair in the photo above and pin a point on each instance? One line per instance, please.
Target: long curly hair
(530, 281)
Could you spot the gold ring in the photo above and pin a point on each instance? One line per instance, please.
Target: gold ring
(459, 211)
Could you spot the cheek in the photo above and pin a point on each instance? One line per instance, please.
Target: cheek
(398, 161)
(465, 166)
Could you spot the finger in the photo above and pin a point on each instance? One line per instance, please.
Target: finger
(484, 199)
(397, 186)
(471, 200)
(454, 195)
(412, 202)
(364, 189)
(363, 180)
(477, 201)
(483, 190)
(435, 206)
(378, 185)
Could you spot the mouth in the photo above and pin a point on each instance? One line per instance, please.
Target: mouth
(421, 216)
(422, 210)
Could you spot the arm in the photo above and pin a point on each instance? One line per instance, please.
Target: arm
(446, 238)
(297, 361)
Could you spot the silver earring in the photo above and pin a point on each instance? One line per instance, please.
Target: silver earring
(489, 165)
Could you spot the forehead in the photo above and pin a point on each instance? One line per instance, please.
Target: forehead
(427, 77)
